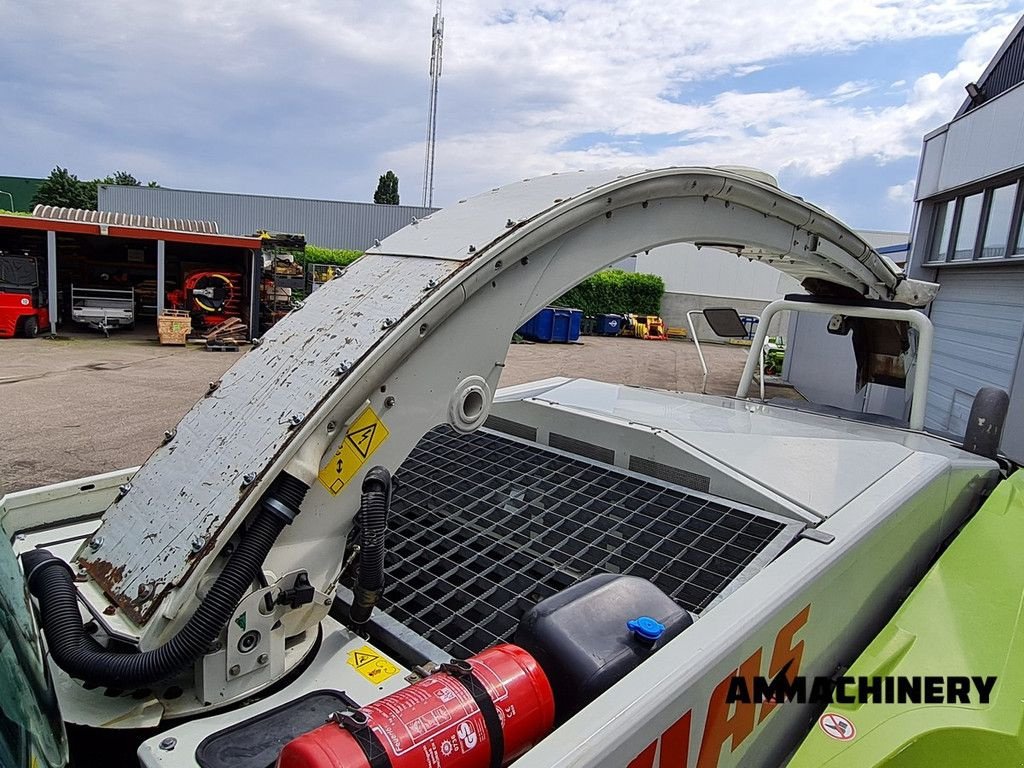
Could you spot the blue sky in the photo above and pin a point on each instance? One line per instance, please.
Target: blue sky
(318, 97)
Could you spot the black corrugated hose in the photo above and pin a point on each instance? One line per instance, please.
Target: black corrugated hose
(373, 525)
(51, 581)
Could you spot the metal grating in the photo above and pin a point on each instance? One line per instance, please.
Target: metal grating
(581, 448)
(670, 474)
(483, 526)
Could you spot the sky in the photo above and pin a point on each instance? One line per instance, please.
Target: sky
(317, 98)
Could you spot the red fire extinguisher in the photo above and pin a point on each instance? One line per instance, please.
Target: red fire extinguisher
(479, 713)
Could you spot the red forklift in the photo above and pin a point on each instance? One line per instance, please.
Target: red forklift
(23, 309)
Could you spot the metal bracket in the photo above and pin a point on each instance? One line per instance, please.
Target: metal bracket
(813, 534)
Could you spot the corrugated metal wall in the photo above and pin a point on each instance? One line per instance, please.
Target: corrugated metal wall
(327, 223)
(1003, 75)
(979, 321)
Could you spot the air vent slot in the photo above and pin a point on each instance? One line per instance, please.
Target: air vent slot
(513, 428)
(581, 448)
(669, 474)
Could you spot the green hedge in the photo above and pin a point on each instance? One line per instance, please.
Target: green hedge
(615, 291)
(317, 255)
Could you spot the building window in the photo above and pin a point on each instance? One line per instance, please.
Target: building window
(967, 230)
(997, 223)
(941, 230)
(978, 226)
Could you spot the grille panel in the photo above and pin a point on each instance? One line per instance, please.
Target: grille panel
(483, 527)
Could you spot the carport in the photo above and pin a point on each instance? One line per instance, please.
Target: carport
(74, 244)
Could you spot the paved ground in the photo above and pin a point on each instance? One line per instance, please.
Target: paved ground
(86, 405)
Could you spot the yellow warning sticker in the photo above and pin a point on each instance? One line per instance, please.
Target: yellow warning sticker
(371, 664)
(363, 437)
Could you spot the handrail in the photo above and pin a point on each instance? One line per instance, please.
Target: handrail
(916, 318)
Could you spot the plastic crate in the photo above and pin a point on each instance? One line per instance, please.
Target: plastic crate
(174, 326)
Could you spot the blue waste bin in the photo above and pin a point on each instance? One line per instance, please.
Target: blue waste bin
(609, 325)
(553, 324)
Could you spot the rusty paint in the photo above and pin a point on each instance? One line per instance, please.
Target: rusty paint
(241, 430)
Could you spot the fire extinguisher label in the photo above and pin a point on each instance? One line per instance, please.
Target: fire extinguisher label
(437, 715)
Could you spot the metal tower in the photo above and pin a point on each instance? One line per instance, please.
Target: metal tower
(436, 46)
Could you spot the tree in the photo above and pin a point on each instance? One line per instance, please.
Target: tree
(387, 189)
(123, 179)
(65, 190)
(62, 189)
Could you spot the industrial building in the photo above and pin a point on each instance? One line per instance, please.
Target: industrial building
(968, 238)
(326, 223)
(142, 258)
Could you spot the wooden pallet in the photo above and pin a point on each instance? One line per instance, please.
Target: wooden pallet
(232, 328)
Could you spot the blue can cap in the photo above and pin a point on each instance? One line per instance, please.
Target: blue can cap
(646, 628)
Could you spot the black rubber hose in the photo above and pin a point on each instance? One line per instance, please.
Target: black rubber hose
(51, 581)
(373, 525)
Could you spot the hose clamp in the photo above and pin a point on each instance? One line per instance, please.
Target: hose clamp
(279, 508)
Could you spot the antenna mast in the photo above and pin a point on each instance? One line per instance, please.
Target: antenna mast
(436, 46)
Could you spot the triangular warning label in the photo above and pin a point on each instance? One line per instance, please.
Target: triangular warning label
(240, 621)
(360, 658)
(362, 439)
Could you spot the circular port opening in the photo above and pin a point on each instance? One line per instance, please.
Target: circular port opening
(472, 405)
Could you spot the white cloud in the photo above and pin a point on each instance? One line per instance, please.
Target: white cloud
(851, 90)
(901, 194)
(318, 98)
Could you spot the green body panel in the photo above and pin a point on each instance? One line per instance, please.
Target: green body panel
(964, 618)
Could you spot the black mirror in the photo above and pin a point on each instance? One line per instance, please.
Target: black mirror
(725, 322)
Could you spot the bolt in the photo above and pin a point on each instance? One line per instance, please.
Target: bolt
(235, 670)
(431, 283)
(169, 435)
(328, 601)
(96, 543)
(344, 368)
(122, 491)
(389, 402)
(145, 591)
(472, 249)
(198, 543)
(214, 386)
(262, 659)
(110, 610)
(256, 342)
(168, 744)
(248, 479)
(295, 420)
(388, 322)
(509, 224)
(331, 426)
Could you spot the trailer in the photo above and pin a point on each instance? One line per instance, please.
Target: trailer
(103, 308)
(562, 573)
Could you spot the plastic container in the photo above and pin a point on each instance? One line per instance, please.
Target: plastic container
(581, 639)
(609, 325)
